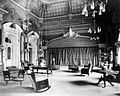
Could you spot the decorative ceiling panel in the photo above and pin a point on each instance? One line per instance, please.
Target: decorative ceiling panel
(63, 8)
(54, 7)
(57, 9)
(3, 3)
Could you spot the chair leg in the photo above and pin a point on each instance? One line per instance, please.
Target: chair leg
(6, 82)
(20, 83)
(110, 81)
(100, 79)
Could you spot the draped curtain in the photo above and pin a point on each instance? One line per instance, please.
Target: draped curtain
(76, 56)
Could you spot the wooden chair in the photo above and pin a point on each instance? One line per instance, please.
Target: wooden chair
(20, 78)
(11, 77)
(87, 69)
(26, 68)
(39, 81)
(6, 76)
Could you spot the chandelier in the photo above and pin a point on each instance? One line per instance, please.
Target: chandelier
(94, 6)
(94, 31)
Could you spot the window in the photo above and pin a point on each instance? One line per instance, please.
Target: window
(9, 53)
(7, 40)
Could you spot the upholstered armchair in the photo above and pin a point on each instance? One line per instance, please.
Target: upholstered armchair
(86, 69)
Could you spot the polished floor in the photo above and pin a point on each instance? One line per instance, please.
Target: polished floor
(63, 83)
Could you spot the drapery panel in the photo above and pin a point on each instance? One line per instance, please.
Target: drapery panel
(73, 56)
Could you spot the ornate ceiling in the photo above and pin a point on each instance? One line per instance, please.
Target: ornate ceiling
(34, 9)
(53, 7)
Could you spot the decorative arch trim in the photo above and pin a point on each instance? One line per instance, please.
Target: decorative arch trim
(71, 42)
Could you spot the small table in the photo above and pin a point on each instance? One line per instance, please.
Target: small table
(105, 73)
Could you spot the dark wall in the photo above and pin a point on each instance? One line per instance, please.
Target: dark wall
(0, 36)
(110, 23)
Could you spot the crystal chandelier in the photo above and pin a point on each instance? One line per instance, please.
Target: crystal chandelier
(94, 31)
(96, 6)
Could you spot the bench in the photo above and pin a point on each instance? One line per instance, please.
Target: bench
(10, 76)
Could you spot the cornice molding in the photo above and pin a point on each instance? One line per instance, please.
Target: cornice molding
(63, 16)
(63, 27)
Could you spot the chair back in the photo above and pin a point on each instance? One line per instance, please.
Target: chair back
(21, 73)
(6, 75)
(26, 68)
(33, 76)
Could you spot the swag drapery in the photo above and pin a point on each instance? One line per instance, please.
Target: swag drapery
(70, 56)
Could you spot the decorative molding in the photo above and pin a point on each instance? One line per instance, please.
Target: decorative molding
(51, 24)
(82, 28)
(2, 11)
(78, 23)
(71, 22)
(85, 20)
(62, 32)
(24, 9)
(77, 42)
(62, 16)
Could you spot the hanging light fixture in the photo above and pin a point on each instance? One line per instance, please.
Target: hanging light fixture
(69, 33)
(85, 11)
(92, 4)
(94, 7)
(94, 31)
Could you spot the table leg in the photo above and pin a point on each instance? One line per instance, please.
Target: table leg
(104, 79)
